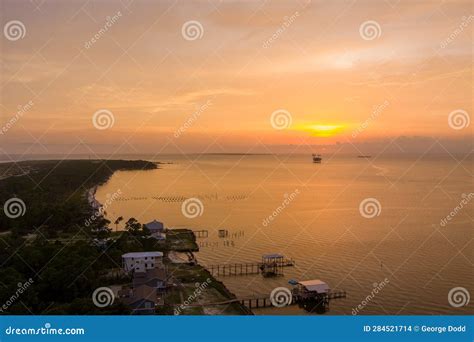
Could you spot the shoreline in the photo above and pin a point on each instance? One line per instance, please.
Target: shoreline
(219, 286)
(93, 202)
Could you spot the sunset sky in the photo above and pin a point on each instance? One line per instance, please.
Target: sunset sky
(309, 60)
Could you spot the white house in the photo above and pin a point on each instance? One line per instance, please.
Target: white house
(141, 261)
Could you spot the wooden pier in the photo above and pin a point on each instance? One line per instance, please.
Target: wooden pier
(243, 268)
(201, 233)
(260, 302)
(263, 301)
(337, 294)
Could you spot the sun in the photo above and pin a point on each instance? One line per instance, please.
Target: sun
(321, 130)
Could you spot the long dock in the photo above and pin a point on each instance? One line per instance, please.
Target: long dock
(243, 268)
(250, 302)
(263, 301)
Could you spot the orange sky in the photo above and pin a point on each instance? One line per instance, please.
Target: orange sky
(217, 93)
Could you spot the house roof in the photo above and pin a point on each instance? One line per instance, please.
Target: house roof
(154, 225)
(156, 273)
(315, 285)
(142, 254)
(145, 292)
(150, 274)
(142, 293)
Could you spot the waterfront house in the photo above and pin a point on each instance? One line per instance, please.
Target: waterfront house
(157, 229)
(155, 226)
(141, 261)
(142, 301)
(155, 278)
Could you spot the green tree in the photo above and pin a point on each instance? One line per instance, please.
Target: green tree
(133, 226)
(117, 221)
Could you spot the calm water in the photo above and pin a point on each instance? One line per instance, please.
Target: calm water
(320, 226)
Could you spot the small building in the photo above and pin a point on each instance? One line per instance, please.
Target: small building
(155, 278)
(312, 287)
(141, 261)
(155, 226)
(272, 265)
(142, 301)
(313, 295)
(157, 229)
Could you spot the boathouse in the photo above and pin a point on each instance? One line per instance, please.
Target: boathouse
(272, 265)
(308, 288)
(314, 295)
